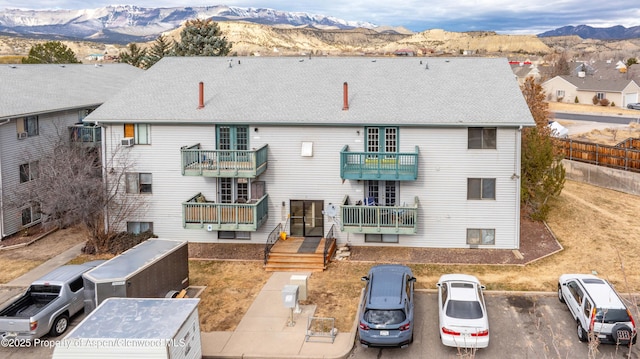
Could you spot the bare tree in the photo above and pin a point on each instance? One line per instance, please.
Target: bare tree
(70, 187)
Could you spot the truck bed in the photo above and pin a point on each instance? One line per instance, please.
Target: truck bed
(28, 305)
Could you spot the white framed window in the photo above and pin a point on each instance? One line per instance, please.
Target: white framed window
(560, 94)
(27, 126)
(138, 182)
(481, 188)
(28, 171)
(381, 238)
(600, 95)
(481, 138)
(139, 227)
(31, 214)
(478, 236)
(140, 132)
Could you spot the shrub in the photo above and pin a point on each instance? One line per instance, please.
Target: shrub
(560, 99)
(576, 100)
(604, 102)
(595, 100)
(613, 104)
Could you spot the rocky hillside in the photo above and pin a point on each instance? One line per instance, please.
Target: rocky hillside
(264, 40)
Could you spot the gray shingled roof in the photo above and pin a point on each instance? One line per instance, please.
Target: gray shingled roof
(32, 89)
(590, 83)
(290, 90)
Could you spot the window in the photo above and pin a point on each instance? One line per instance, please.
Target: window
(28, 171)
(381, 193)
(77, 284)
(481, 138)
(27, 126)
(477, 236)
(139, 227)
(138, 182)
(560, 94)
(234, 235)
(382, 139)
(31, 215)
(600, 95)
(481, 188)
(380, 238)
(141, 133)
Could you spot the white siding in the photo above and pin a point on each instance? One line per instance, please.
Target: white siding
(445, 163)
(14, 152)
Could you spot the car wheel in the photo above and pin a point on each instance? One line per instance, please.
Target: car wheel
(560, 297)
(621, 334)
(582, 334)
(59, 326)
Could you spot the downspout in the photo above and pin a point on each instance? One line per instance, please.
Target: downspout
(517, 174)
(103, 159)
(2, 235)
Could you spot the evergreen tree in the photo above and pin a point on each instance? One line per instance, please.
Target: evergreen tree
(160, 48)
(561, 67)
(542, 172)
(133, 55)
(631, 61)
(202, 38)
(51, 52)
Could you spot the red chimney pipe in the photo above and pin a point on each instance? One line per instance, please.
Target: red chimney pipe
(201, 97)
(345, 91)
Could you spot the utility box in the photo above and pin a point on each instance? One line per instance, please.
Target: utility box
(301, 282)
(290, 296)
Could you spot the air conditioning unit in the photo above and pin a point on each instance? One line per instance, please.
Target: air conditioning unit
(127, 141)
(22, 135)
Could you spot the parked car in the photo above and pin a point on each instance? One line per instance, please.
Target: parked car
(634, 106)
(47, 305)
(557, 130)
(386, 314)
(462, 312)
(597, 308)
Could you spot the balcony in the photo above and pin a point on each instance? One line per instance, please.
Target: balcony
(223, 163)
(198, 213)
(89, 136)
(379, 219)
(378, 166)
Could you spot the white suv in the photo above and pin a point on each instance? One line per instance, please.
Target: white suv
(597, 309)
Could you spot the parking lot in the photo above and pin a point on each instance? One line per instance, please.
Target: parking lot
(521, 326)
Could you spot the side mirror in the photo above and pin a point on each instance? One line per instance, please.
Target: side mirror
(412, 279)
(439, 285)
(483, 287)
(364, 279)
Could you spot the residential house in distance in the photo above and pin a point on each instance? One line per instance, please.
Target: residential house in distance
(583, 89)
(36, 103)
(370, 151)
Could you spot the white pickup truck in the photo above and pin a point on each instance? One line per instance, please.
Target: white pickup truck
(47, 305)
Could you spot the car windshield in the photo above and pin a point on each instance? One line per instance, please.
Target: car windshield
(604, 315)
(385, 317)
(463, 309)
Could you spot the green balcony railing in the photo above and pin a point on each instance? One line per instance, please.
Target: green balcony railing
(199, 213)
(223, 163)
(379, 219)
(85, 135)
(378, 166)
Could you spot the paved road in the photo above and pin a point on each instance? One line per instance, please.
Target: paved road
(521, 326)
(624, 120)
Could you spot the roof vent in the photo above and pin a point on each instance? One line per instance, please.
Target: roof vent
(201, 95)
(345, 90)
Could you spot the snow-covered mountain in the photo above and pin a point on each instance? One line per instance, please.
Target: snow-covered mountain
(127, 23)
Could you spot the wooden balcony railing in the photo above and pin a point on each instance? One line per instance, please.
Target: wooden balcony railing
(199, 213)
(223, 163)
(379, 219)
(378, 166)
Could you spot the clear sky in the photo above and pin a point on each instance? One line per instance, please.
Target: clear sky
(502, 16)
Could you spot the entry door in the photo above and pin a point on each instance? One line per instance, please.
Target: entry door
(306, 218)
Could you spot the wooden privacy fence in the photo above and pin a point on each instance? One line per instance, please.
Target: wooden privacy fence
(625, 155)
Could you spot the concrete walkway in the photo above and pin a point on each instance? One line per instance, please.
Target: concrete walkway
(264, 331)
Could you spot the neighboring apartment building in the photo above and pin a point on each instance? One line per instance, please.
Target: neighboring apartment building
(421, 152)
(36, 103)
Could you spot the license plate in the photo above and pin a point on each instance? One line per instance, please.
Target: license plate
(384, 332)
(624, 335)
